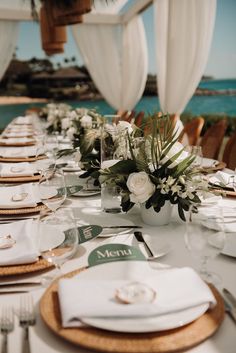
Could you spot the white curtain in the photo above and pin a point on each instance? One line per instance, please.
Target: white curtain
(116, 57)
(183, 31)
(8, 39)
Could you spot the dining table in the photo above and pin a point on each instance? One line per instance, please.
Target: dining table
(44, 340)
(168, 241)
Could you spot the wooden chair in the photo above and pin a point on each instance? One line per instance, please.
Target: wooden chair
(229, 155)
(192, 131)
(212, 139)
(129, 117)
(139, 119)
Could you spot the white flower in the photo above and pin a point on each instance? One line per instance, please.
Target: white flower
(86, 121)
(123, 126)
(140, 186)
(65, 123)
(70, 132)
(51, 118)
(77, 156)
(177, 147)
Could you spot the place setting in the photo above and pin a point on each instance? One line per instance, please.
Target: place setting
(24, 154)
(18, 172)
(134, 301)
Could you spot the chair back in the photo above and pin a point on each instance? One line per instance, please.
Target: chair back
(212, 139)
(229, 155)
(139, 119)
(192, 130)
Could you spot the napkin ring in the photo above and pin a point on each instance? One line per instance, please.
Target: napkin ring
(6, 241)
(135, 292)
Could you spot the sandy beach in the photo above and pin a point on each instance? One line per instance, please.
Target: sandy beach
(21, 100)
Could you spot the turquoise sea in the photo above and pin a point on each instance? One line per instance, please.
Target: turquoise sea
(215, 104)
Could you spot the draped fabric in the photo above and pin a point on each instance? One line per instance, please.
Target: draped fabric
(8, 39)
(116, 58)
(183, 30)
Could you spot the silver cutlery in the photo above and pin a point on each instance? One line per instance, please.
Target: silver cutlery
(140, 239)
(230, 303)
(19, 283)
(121, 227)
(6, 326)
(27, 318)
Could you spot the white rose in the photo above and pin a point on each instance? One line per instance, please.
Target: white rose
(51, 118)
(77, 156)
(86, 121)
(140, 186)
(175, 149)
(70, 132)
(72, 115)
(65, 123)
(123, 126)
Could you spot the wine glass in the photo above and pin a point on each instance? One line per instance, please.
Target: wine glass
(52, 188)
(57, 239)
(205, 237)
(195, 151)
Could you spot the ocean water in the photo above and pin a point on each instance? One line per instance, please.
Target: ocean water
(217, 104)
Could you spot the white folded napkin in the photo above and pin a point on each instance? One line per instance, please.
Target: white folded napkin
(25, 249)
(208, 162)
(14, 140)
(23, 120)
(176, 290)
(210, 199)
(7, 193)
(16, 169)
(18, 152)
(226, 179)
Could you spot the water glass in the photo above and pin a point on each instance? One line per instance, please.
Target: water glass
(196, 151)
(58, 239)
(52, 188)
(110, 198)
(205, 237)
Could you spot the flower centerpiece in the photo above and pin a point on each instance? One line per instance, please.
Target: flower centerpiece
(54, 114)
(158, 172)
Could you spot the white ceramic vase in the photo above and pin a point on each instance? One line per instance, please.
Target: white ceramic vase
(153, 218)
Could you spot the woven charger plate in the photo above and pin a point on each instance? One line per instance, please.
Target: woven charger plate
(18, 144)
(26, 210)
(22, 159)
(106, 341)
(39, 265)
(18, 179)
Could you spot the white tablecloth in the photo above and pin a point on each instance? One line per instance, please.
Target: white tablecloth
(43, 340)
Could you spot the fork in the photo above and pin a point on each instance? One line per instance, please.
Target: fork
(27, 318)
(6, 326)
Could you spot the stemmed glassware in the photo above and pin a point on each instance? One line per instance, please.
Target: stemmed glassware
(58, 239)
(52, 188)
(205, 237)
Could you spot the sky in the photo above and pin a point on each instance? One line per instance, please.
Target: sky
(221, 61)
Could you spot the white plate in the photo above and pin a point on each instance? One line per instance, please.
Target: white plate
(47, 241)
(71, 169)
(135, 270)
(84, 193)
(230, 245)
(209, 163)
(107, 219)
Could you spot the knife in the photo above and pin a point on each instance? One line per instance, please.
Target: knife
(231, 298)
(140, 238)
(122, 227)
(230, 304)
